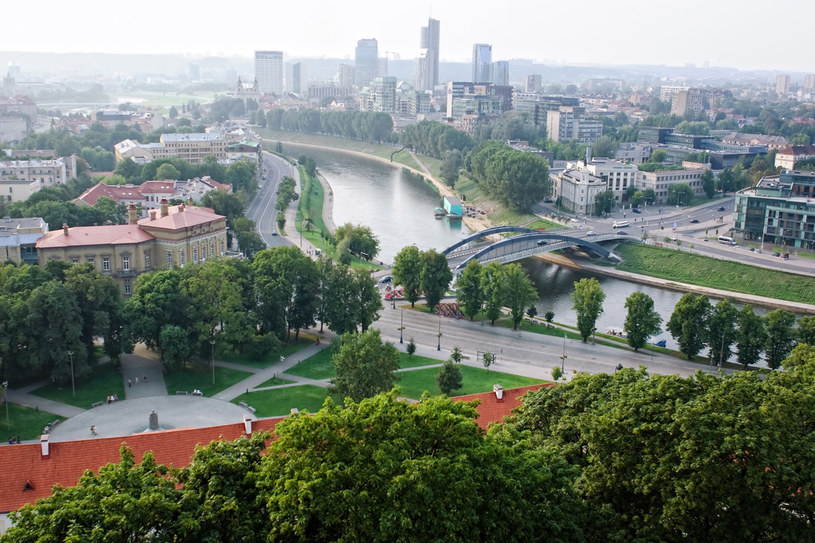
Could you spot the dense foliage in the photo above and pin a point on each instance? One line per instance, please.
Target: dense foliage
(515, 178)
(357, 125)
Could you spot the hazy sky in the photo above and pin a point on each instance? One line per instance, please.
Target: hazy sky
(744, 34)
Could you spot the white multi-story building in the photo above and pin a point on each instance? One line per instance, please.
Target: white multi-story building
(269, 71)
(192, 147)
(569, 123)
(659, 181)
(576, 190)
(617, 175)
(19, 179)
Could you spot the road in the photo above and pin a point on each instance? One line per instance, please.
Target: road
(524, 353)
(262, 209)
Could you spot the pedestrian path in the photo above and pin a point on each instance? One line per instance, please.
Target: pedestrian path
(143, 374)
(42, 404)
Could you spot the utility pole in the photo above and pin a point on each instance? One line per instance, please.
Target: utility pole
(401, 324)
(438, 345)
(71, 358)
(563, 356)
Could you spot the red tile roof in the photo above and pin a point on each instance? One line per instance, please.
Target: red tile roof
(491, 409)
(182, 216)
(68, 460)
(157, 187)
(78, 236)
(116, 192)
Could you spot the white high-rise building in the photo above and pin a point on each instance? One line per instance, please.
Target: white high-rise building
(500, 73)
(269, 71)
(482, 63)
(427, 65)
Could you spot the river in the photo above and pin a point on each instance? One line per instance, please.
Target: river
(399, 210)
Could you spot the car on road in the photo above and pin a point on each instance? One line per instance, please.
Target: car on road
(274, 233)
(622, 233)
(636, 210)
(721, 209)
(776, 254)
(542, 242)
(694, 221)
(672, 238)
(386, 279)
(547, 201)
(591, 233)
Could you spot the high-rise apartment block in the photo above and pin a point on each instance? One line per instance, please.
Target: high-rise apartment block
(427, 65)
(366, 62)
(345, 75)
(569, 123)
(500, 73)
(269, 71)
(296, 78)
(782, 84)
(532, 84)
(687, 101)
(482, 63)
(809, 82)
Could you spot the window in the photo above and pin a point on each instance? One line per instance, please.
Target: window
(74, 260)
(212, 249)
(126, 263)
(182, 257)
(147, 261)
(195, 255)
(90, 260)
(203, 251)
(105, 263)
(128, 290)
(169, 259)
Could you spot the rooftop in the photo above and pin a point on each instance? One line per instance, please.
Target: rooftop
(199, 136)
(79, 236)
(181, 216)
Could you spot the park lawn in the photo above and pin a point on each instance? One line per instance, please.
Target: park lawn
(546, 225)
(407, 361)
(316, 366)
(106, 380)
(536, 327)
(310, 208)
(200, 377)
(273, 382)
(474, 380)
(280, 401)
(27, 423)
(714, 273)
(466, 186)
(286, 349)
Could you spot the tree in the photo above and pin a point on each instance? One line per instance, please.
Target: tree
(751, 337)
(491, 281)
(722, 333)
(360, 240)
(167, 171)
(411, 347)
(642, 321)
(709, 183)
(604, 147)
(450, 167)
(604, 202)
(549, 316)
(449, 377)
(588, 297)
(806, 330)
(407, 272)
(658, 156)
(173, 114)
(176, 346)
(469, 294)
(518, 292)
(365, 366)
(688, 323)
(435, 277)
(780, 336)
(128, 169)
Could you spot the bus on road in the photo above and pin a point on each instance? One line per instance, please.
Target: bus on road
(727, 240)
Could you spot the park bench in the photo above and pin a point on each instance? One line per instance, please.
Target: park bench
(181, 393)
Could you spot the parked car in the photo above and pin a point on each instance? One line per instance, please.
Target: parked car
(776, 254)
(547, 201)
(721, 209)
(785, 256)
(636, 210)
(673, 238)
(386, 279)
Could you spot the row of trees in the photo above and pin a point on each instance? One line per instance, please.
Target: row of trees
(247, 307)
(357, 125)
(515, 178)
(435, 139)
(422, 273)
(489, 288)
(50, 316)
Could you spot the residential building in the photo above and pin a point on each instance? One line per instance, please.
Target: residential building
(170, 236)
(18, 239)
(532, 83)
(659, 181)
(772, 142)
(634, 152)
(269, 72)
(465, 98)
(482, 63)
(685, 102)
(576, 190)
(192, 147)
(19, 179)
(787, 157)
(809, 83)
(782, 85)
(780, 209)
(535, 106)
(569, 123)
(13, 129)
(617, 175)
(18, 105)
(329, 91)
(384, 90)
(427, 65)
(666, 92)
(345, 75)
(500, 73)
(366, 61)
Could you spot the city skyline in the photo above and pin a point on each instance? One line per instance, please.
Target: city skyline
(625, 32)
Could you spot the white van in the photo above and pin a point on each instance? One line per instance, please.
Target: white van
(621, 224)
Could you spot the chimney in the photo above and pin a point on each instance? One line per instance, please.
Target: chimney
(181, 207)
(164, 203)
(65, 228)
(499, 391)
(247, 424)
(44, 444)
(131, 214)
(152, 215)
(588, 153)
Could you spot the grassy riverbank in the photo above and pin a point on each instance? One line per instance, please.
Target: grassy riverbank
(714, 273)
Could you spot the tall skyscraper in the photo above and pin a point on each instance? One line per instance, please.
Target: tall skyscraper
(500, 72)
(296, 78)
(532, 83)
(782, 84)
(366, 61)
(269, 71)
(809, 82)
(427, 65)
(482, 63)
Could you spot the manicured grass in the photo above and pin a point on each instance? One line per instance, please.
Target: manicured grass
(200, 377)
(710, 272)
(310, 208)
(286, 349)
(548, 225)
(24, 422)
(280, 401)
(274, 381)
(474, 380)
(317, 366)
(415, 361)
(106, 380)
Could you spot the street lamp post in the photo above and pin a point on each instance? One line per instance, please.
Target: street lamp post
(438, 345)
(212, 358)
(71, 358)
(563, 356)
(5, 398)
(401, 324)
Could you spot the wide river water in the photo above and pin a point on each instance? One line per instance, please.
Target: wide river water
(399, 210)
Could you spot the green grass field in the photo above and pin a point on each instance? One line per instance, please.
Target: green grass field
(200, 377)
(24, 422)
(106, 380)
(474, 380)
(280, 401)
(710, 272)
(319, 366)
(274, 381)
(286, 349)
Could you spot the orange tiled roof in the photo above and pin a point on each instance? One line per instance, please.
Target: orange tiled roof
(68, 460)
(492, 409)
(157, 187)
(182, 216)
(116, 192)
(78, 236)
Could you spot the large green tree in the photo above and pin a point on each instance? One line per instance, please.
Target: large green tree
(722, 328)
(407, 272)
(641, 321)
(780, 336)
(588, 297)
(365, 365)
(469, 293)
(449, 377)
(435, 277)
(688, 323)
(751, 337)
(491, 285)
(518, 292)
